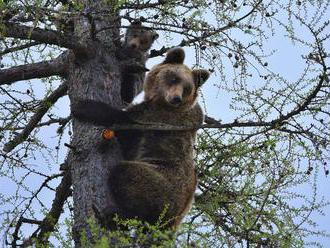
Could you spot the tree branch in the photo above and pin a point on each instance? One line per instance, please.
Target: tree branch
(156, 53)
(63, 191)
(47, 225)
(23, 220)
(40, 112)
(61, 121)
(42, 69)
(212, 123)
(51, 37)
(18, 48)
(302, 107)
(141, 6)
(166, 127)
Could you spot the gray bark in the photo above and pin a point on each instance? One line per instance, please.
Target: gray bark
(93, 75)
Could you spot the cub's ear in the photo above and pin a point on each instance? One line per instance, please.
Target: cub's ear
(174, 56)
(200, 76)
(155, 36)
(136, 23)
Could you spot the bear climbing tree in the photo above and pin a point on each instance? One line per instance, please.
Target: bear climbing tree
(133, 55)
(157, 175)
(265, 132)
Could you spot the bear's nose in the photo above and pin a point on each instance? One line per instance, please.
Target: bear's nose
(176, 100)
(133, 45)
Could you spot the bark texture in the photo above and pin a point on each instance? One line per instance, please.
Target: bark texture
(93, 75)
(37, 70)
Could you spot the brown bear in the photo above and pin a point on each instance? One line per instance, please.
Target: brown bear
(134, 54)
(157, 175)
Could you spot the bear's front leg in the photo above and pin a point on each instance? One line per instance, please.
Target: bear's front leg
(99, 113)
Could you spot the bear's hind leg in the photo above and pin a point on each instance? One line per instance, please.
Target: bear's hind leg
(142, 192)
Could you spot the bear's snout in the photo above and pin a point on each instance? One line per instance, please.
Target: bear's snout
(176, 100)
(134, 44)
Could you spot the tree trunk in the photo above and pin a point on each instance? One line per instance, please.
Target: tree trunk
(93, 74)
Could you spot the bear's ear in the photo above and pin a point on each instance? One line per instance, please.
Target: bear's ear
(136, 23)
(155, 36)
(174, 56)
(200, 76)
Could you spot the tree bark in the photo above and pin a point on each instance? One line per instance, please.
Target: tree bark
(55, 67)
(93, 76)
(15, 30)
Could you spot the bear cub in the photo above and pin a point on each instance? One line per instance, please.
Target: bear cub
(157, 175)
(133, 55)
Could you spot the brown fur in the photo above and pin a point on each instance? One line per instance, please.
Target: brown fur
(139, 37)
(133, 55)
(157, 174)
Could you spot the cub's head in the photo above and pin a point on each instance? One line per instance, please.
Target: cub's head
(139, 37)
(173, 84)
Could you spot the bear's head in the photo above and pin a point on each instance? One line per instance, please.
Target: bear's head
(139, 37)
(173, 84)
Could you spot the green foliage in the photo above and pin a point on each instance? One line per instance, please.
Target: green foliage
(65, 239)
(2, 30)
(115, 5)
(241, 192)
(2, 5)
(78, 6)
(131, 233)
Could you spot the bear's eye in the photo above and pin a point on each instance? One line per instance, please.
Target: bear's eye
(174, 80)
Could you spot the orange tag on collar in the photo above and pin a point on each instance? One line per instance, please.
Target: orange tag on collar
(108, 134)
